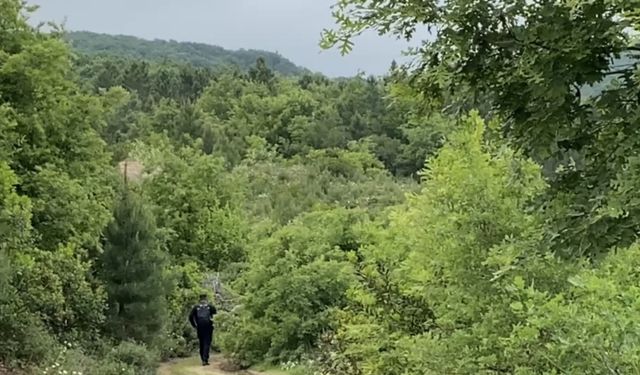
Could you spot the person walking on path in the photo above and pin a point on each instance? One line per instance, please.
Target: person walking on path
(201, 319)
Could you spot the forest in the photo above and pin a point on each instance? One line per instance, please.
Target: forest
(196, 54)
(472, 212)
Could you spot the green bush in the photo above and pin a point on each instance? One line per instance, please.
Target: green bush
(124, 359)
(293, 281)
(69, 359)
(133, 356)
(588, 329)
(244, 341)
(173, 345)
(24, 338)
(436, 288)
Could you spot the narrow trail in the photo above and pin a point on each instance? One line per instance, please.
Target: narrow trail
(192, 366)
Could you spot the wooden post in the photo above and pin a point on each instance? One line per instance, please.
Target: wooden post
(125, 173)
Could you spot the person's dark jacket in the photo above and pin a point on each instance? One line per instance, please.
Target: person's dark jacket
(193, 317)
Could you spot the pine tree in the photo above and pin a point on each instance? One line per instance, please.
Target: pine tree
(133, 272)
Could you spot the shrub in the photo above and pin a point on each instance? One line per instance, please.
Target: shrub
(136, 356)
(435, 292)
(24, 337)
(293, 281)
(244, 342)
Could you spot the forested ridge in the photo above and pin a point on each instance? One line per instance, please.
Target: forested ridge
(196, 54)
(472, 214)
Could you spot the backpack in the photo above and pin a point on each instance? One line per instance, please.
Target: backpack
(203, 314)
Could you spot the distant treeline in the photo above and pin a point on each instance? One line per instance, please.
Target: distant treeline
(197, 54)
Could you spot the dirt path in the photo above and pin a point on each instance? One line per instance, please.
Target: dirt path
(192, 366)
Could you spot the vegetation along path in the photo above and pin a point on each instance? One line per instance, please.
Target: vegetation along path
(191, 366)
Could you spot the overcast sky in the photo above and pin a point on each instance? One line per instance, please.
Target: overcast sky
(290, 27)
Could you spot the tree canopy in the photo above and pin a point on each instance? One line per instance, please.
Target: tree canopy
(197, 54)
(475, 212)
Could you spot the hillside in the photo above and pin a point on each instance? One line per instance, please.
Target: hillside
(198, 54)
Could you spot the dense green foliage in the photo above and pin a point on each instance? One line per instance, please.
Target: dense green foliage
(227, 158)
(196, 54)
(294, 278)
(545, 293)
(529, 62)
(473, 214)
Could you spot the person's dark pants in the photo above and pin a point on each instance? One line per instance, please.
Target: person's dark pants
(205, 334)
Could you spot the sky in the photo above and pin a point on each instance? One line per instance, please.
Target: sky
(290, 27)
